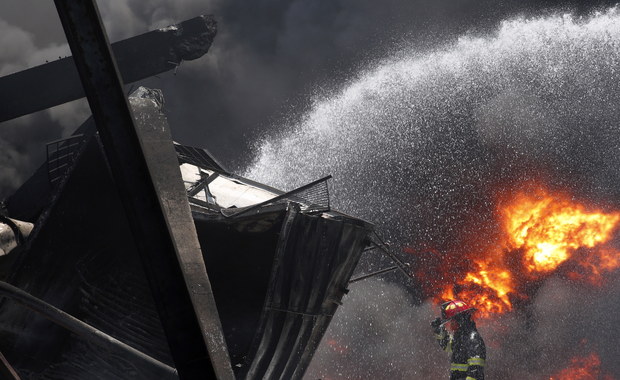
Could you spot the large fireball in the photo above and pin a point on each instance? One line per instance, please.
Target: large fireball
(541, 232)
(549, 229)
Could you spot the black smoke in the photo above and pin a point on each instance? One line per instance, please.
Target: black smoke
(268, 57)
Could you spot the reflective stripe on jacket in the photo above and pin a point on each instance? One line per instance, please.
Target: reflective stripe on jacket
(468, 352)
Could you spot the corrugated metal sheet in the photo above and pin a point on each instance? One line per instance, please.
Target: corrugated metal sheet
(279, 276)
(314, 261)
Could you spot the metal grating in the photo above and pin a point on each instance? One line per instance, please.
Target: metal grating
(197, 156)
(313, 263)
(60, 156)
(313, 197)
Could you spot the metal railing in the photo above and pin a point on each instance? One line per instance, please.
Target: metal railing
(60, 156)
(313, 197)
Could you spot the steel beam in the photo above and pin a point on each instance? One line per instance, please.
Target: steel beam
(138, 58)
(81, 329)
(378, 242)
(164, 234)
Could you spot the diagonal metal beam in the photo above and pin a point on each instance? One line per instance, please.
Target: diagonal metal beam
(203, 184)
(161, 224)
(139, 57)
(81, 329)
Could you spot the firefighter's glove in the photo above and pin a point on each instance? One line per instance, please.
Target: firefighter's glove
(436, 325)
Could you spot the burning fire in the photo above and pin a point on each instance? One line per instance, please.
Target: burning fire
(582, 368)
(541, 232)
(549, 229)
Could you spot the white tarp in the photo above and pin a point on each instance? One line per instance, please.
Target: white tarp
(226, 191)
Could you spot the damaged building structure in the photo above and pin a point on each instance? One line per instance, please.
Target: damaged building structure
(137, 257)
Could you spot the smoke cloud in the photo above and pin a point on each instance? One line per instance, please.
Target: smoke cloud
(23, 140)
(268, 55)
(376, 351)
(385, 335)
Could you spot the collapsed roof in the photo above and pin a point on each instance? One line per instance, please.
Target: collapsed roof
(157, 250)
(278, 271)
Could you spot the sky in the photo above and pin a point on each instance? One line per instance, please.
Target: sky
(421, 110)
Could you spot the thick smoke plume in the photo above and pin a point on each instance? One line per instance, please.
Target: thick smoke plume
(422, 145)
(22, 141)
(266, 57)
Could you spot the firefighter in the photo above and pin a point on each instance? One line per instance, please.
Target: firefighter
(464, 341)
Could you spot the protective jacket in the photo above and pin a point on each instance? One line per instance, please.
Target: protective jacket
(468, 351)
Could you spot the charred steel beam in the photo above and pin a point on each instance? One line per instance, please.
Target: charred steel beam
(156, 141)
(165, 237)
(138, 58)
(79, 328)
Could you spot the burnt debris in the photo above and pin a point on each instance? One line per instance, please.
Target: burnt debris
(137, 58)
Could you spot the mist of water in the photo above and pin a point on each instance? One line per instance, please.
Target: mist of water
(418, 145)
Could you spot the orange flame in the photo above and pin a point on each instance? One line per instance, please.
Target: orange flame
(540, 233)
(582, 368)
(548, 228)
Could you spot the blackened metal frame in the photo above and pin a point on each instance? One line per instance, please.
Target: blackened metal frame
(165, 236)
(376, 242)
(138, 57)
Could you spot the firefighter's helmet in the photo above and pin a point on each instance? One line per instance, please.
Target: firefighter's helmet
(452, 308)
